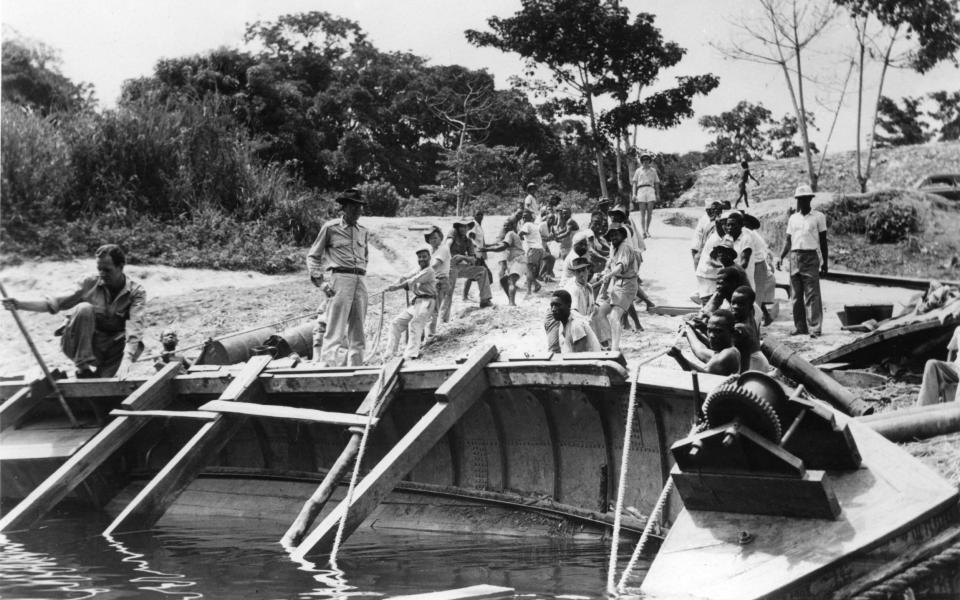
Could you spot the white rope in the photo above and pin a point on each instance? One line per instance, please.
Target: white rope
(356, 471)
(624, 463)
(652, 521)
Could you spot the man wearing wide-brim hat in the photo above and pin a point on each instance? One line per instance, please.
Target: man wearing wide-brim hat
(806, 243)
(621, 274)
(337, 263)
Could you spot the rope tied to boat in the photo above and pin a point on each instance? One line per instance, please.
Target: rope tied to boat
(621, 487)
(381, 381)
(653, 520)
(901, 582)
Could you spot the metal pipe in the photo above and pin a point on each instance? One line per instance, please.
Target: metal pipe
(917, 422)
(816, 381)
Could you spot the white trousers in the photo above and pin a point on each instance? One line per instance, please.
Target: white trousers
(413, 319)
(343, 341)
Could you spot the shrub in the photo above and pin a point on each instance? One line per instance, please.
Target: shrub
(381, 197)
(891, 222)
(439, 203)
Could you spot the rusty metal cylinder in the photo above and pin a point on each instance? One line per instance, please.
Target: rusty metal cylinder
(916, 422)
(816, 381)
(239, 348)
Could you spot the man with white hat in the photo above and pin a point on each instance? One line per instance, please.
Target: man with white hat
(806, 243)
(414, 318)
(337, 263)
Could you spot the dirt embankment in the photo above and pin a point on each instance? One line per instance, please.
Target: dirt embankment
(898, 168)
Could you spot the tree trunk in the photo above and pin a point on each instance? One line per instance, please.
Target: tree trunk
(802, 117)
(595, 136)
(861, 179)
(876, 109)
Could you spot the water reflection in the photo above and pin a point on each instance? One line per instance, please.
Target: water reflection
(168, 584)
(37, 574)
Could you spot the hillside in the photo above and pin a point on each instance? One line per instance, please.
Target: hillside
(899, 167)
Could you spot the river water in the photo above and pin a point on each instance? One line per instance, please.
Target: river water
(68, 558)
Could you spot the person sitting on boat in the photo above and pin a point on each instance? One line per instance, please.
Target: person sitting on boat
(414, 318)
(721, 358)
(939, 375)
(103, 336)
(576, 335)
(578, 286)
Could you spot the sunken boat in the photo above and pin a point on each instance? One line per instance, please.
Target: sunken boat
(778, 494)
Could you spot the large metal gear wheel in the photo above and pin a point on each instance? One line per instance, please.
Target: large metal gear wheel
(729, 401)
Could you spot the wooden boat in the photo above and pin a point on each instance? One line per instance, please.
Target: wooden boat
(515, 447)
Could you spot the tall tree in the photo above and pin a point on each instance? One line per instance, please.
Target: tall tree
(902, 125)
(946, 114)
(31, 77)
(739, 133)
(592, 48)
(915, 34)
(779, 37)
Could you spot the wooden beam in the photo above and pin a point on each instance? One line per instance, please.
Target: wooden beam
(157, 392)
(168, 414)
(16, 407)
(153, 500)
(454, 398)
(272, 411)
(474, 592)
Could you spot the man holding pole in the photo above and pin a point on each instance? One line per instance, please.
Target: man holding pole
(103, 335)
(337, 263)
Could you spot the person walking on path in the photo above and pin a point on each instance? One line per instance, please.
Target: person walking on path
(337, 264)
(745, 175)
(939, 375)
(573, 329)
(621, 276)
(806, 243)
(414, 318)
(103, 336)
(646, 190)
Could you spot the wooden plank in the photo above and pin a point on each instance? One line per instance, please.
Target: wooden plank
(157, 392)
(881, 336)
(273, 411)
(674, 311)
(809, 497)
(910, 283)
(168, 414)
(153, 500)
(31, 444)
(16, 407)
(454, 398)
(474, 592)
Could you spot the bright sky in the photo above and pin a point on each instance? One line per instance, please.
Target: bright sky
(105, 42)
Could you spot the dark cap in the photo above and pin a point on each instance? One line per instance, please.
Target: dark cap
(579, 262)
(432, 231)
(621, 230)
(725, 245)
(350, 195)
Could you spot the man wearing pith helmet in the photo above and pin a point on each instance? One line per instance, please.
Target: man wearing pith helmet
(337, 263)
(806, 243)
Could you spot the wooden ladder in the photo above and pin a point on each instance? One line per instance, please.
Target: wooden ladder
(454, 398)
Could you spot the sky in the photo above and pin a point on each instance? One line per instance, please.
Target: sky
(105, 42)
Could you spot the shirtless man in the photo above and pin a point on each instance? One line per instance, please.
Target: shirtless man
(721, 358)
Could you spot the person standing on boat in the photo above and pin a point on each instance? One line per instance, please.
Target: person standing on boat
(646, 190)
(103, 336)
(575, 332)
(939, 375)
(337, 263)
(806, 243)
(414, 318)
(721, 358)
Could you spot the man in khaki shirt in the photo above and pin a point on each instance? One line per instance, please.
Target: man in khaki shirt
(103, 336)
(337, 263)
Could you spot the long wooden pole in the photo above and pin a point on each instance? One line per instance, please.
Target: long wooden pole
(43, 365)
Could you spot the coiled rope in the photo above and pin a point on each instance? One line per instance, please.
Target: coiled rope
(900, 583)
(356, 470)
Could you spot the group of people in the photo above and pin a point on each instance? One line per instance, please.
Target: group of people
(734, 268)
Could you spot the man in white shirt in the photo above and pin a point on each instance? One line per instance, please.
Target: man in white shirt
(533, 245)
(940, 375)
(413, 319)
(530, 202)
(646, 190)
(575, 332)
(440, 261)
(807, 245)
(705, 226)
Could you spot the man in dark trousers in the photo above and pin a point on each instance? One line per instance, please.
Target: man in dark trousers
(807, 245)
